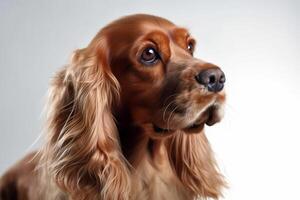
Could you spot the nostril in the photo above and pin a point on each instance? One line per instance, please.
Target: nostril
(222, 79)
(212, 79)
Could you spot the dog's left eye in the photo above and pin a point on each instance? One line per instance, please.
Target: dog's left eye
(149, 56)
(190, 47)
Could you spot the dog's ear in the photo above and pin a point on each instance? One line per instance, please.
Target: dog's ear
(82, 151)
(193, 161)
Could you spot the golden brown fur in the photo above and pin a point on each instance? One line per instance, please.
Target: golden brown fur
(103, 114)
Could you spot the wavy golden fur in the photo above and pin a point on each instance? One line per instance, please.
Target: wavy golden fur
(125, 120)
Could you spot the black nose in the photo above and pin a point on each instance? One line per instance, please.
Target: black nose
(212, 78)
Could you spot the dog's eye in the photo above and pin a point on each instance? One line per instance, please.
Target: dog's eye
(190, 47)
(149, 56)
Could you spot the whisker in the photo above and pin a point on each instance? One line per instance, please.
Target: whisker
(165, 101)
(168, 122)
(165, 110)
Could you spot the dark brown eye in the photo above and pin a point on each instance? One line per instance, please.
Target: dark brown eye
(149, 56)
(190, 47)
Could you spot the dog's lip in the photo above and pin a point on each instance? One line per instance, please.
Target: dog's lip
(212, 116)
(195, 127)
(209, 118)
(159, 130)
(198, 125)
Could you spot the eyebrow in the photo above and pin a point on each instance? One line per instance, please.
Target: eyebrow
(156, 36)
(180, 32)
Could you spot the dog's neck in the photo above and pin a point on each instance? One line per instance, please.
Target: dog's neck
(137, 145)
(152, 173)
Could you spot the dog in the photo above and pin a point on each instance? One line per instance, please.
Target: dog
(125, 120)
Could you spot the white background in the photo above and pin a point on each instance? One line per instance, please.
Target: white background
(255, 42)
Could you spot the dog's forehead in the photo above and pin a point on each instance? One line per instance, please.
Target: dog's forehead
(172, 31)
(144, 18)
(142, 24)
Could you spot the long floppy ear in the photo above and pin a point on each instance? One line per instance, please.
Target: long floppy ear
(192, 159)
(82, 151)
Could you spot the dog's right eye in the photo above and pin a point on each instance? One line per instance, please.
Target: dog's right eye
(149, 56)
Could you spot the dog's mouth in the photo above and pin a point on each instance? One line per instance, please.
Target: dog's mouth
(209, 117)
(195, 127)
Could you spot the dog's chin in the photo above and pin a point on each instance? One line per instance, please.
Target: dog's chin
(211, 116)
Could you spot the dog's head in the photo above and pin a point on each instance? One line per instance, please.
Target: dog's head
(163, 85)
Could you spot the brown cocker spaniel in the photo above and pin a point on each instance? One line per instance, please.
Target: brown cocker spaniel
(125, 120)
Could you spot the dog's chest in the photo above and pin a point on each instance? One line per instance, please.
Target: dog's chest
(157, 183)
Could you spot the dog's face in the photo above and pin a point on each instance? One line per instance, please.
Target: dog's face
(163, 85)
